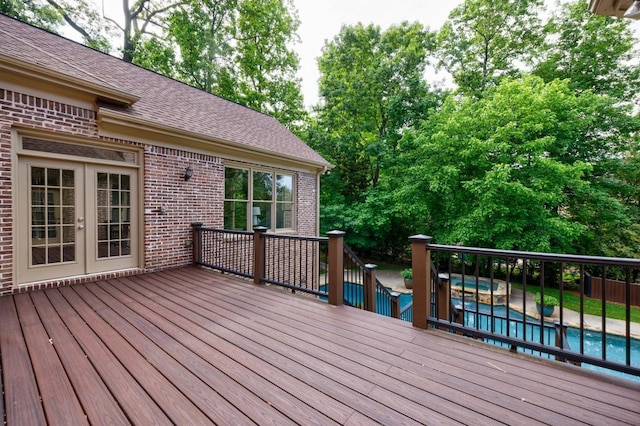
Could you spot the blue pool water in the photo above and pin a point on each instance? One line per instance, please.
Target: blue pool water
(354, 296)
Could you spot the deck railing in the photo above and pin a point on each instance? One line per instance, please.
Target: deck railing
(224, 250)
(481, 293)
(487, 294)
(321, 266)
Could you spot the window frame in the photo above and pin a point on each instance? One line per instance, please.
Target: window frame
(274, 202)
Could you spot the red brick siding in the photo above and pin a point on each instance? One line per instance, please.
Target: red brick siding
(6, 219)
(307, 203)
(200, 199)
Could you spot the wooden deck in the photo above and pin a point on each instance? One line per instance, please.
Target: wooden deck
(191, 346)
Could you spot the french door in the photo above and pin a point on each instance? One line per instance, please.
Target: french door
(75, 219)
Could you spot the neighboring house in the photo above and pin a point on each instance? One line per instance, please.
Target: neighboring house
(94, 155)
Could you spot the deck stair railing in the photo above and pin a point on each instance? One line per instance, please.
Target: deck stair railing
(362, 289)
(487, 294)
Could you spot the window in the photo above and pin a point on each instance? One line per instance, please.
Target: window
(257, 198)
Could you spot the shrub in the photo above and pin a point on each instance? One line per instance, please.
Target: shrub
(407, 274)
(548, 300)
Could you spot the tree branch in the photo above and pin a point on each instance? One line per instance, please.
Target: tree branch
(71, 22)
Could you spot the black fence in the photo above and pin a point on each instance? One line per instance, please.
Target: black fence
(492, 295)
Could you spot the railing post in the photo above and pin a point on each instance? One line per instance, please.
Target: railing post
(259, 253)
(444, 301)
(421, 265)
(336, 267)
(196, 241)
(369, 287)
(561, 341)
(395, 305)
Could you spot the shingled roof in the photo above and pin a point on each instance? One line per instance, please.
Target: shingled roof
(153, 98)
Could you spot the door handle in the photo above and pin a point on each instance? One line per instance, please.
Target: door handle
(80, 227)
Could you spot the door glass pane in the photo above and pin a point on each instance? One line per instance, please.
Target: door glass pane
(53, 177)
(50, 190)
(103, 181)
(37, 176)
(113, 220)
(68, 197)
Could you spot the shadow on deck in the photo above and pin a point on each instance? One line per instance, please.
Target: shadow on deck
(192, 346)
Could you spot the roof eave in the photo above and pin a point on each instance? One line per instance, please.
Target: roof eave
(46, 75)
(615, 8)
(112, 123)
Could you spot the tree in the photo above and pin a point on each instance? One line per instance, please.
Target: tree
(237, 49)
(52, 14)
(486, 40)
(595, 52)
(503, 171)
(34, 12)
(372, 90)
(241, 50)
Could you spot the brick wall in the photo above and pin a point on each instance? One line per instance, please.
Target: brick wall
(6, 220)
(307, 204)
(167, 241)
(200, 199)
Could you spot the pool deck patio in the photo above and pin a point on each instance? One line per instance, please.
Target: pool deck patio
(192, 346)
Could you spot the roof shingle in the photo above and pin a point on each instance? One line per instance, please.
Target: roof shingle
(163, 101)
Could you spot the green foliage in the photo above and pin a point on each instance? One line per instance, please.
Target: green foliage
(34, 12)
(484, 41)
(240, 50)
(548, 300)
(372, 89)
(594, 52)
(80, 15)
(407, 274)
(538, 150)
(506, 171)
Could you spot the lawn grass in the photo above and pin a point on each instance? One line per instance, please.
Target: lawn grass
(571, 300)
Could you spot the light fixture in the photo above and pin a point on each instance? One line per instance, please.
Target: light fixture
(188, 173)
(634, 11)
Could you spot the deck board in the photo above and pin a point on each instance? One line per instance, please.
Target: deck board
(130, 395)
(97, 400)
(194, 346)
(360, 377)
(59, 400)
(21, 395)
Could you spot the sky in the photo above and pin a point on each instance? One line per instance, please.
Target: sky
(322, 20)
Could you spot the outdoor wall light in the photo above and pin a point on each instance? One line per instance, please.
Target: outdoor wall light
(634, 11)
(188, 173)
